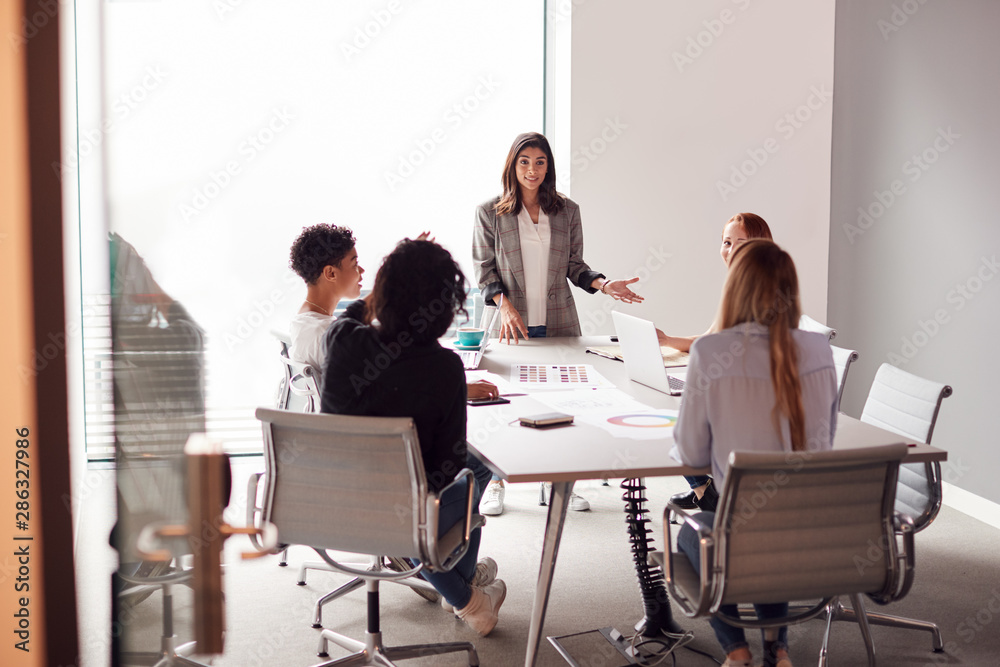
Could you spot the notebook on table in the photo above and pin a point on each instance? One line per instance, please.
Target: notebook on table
(642, 356)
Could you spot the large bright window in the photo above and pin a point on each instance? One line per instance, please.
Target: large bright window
(229, 125)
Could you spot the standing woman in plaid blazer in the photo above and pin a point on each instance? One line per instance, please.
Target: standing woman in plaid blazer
(528, 242)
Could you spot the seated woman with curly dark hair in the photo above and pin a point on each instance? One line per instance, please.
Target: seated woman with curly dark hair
(383, 359)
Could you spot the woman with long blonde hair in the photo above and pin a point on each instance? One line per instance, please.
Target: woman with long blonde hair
(759, 384)
(739, 229)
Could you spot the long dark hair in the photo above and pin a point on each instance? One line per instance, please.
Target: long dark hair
(510, 202)
(762, 287)
(418, 290)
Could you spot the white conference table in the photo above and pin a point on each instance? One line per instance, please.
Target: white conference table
(563, 455)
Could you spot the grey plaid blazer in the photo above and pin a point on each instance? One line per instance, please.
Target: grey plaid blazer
(496, 255)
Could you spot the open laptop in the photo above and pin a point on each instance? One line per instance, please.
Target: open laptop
(472, 358)
(641, 353)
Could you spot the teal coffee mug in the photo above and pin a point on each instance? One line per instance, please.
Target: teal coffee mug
(470, 336)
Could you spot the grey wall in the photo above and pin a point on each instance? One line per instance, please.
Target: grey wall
(916, 104)
(668, 99)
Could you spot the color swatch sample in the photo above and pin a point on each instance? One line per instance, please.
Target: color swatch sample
(555, 376)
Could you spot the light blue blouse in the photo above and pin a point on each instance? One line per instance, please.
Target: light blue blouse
(728, 397)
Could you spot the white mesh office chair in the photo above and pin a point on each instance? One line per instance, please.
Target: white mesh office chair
(761, 552)
(298, 390)
(842, 360)
(357, 484)
(907, 404)
(807, 323)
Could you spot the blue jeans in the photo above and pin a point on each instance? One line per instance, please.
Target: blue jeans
(454, 584)
(536, 332)
(482, 474)
(696, 480)
(730, 637)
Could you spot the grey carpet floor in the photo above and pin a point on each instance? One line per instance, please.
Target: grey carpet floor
(269, 616)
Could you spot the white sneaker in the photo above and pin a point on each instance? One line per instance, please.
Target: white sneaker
(578, 503)
(481, 612)
(492, 502)
(486, 574)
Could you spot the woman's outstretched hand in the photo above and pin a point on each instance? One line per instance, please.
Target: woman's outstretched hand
(511, 324)
(619, 290)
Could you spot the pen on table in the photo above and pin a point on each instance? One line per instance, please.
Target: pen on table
(509, 395)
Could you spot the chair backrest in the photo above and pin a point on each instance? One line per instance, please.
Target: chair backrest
(347, 483)
(805, 525)
(904, 403)
(908, 404)
(299, 388)
(842, 360)
(807, 323)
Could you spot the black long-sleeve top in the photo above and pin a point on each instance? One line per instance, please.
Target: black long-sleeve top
(365, 376)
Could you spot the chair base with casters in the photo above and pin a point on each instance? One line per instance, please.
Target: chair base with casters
(427, 591)
(373, 652)
(170, 653)
(908, 404)
(836, 611)
(253, 514)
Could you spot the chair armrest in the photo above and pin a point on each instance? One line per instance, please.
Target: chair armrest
(254, 511)
(691, 606)
(434, 560)
(703, 529)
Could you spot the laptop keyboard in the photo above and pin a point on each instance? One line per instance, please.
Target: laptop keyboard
(675, 383)
(469, 359)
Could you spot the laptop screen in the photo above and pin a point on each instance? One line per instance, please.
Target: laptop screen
(641, 351)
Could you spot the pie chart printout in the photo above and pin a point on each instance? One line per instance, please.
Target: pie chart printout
(641, 420)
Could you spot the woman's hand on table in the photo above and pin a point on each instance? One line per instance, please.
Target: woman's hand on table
(482, 389)
(619, 290)
(511, 324)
